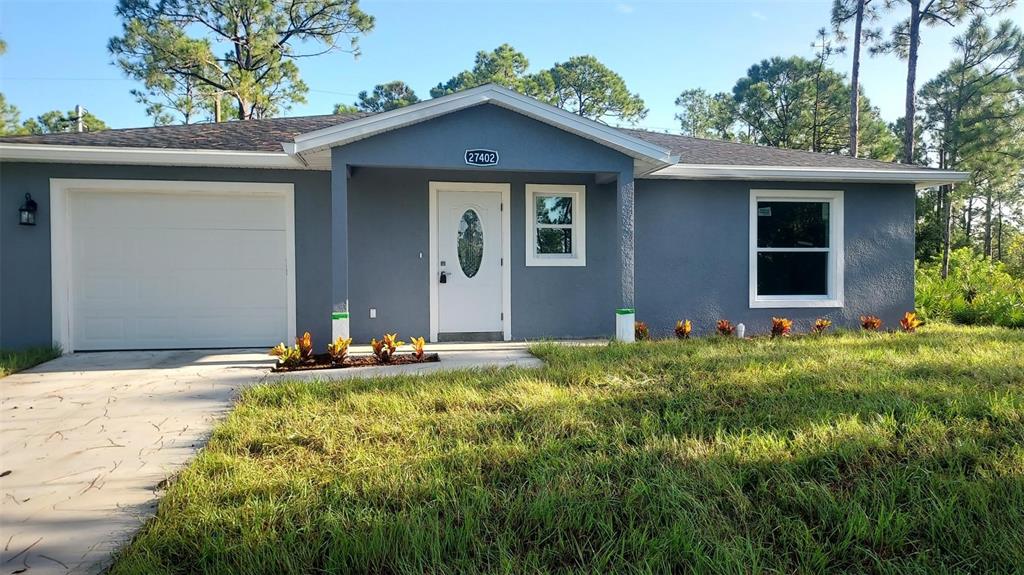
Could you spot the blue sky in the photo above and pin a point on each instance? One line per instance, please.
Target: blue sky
(57, 54)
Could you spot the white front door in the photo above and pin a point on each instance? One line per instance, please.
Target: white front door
(469, 262)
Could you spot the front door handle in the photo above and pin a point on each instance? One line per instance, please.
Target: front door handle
(444, 277)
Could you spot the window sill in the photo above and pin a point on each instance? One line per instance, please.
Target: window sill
(556, 262)
(804, 303)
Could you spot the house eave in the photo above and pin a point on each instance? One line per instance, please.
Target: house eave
(13, 152)
(920, 178)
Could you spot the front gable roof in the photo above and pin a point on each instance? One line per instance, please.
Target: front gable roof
(312, 147)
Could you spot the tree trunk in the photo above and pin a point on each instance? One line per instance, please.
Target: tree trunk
(969, 219)
(245, 109)
(988, 225)
(999, 234)
(855, 81)
(911, 104)
(947, 226)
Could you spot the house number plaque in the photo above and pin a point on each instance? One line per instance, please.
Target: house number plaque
(481, 157)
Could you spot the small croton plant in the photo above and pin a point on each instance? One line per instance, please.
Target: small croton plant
(910, 323)
(683, 329)
(286, 356)
(305, 345)
(781, 327)
(417, 346)
(339, 349)
(820, 325)
(725, 327)
(870, 323)
(640, 331)
(384, 349)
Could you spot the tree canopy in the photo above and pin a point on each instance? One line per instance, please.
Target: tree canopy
(789, 103)
(581, 84)
(504, 66)
(585, 86)
(186, 53)
(384, 97)
(706, 115)
(905, 42)
(55, 121)
(973, 113)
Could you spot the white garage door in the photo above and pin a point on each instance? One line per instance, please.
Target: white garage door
(152, 270)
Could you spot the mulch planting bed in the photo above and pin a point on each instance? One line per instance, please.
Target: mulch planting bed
(323, 361)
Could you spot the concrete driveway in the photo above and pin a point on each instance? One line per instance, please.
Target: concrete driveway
(87, 439)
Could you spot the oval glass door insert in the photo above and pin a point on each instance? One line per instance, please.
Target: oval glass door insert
(471, 243)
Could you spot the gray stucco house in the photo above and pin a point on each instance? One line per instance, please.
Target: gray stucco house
(483, 214)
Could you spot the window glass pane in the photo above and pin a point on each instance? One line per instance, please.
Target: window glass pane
(554, 209)
(470, 243)
(792, 273)
(554, 240)
(792, 224)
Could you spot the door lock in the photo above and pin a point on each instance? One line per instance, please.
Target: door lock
(444, 277)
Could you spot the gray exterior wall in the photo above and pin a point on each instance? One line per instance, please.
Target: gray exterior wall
(387, 194)
(691, 238)
(25, 251)
(389, 229)
(692, 244)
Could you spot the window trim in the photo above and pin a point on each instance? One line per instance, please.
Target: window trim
(579, 226)
(836, 259)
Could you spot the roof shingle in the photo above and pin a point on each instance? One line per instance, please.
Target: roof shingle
(263, 135)
(266, 135)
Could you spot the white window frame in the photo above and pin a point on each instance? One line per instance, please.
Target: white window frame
(578, 257)
(836, 259)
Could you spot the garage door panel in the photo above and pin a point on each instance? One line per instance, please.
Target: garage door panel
(154, 270)
(179, 211)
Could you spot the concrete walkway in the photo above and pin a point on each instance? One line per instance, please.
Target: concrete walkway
(86, 440)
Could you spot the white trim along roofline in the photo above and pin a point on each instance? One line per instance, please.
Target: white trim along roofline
(10, 151)
(922, 178)
(119, 155)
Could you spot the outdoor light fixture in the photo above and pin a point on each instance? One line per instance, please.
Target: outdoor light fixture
(27, 211)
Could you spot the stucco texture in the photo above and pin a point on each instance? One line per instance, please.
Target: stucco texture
(389, 229)
(25, 250)
(691, 237)
(692, 253)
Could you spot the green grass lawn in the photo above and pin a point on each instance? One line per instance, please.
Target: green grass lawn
(852, 452)
(13, 361)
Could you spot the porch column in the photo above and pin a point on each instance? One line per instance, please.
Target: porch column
(339, 251)
(625, 315)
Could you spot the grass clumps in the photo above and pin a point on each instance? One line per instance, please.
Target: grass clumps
(12, 361)
(850, 452)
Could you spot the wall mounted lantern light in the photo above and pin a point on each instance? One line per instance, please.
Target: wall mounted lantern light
(27, 211)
